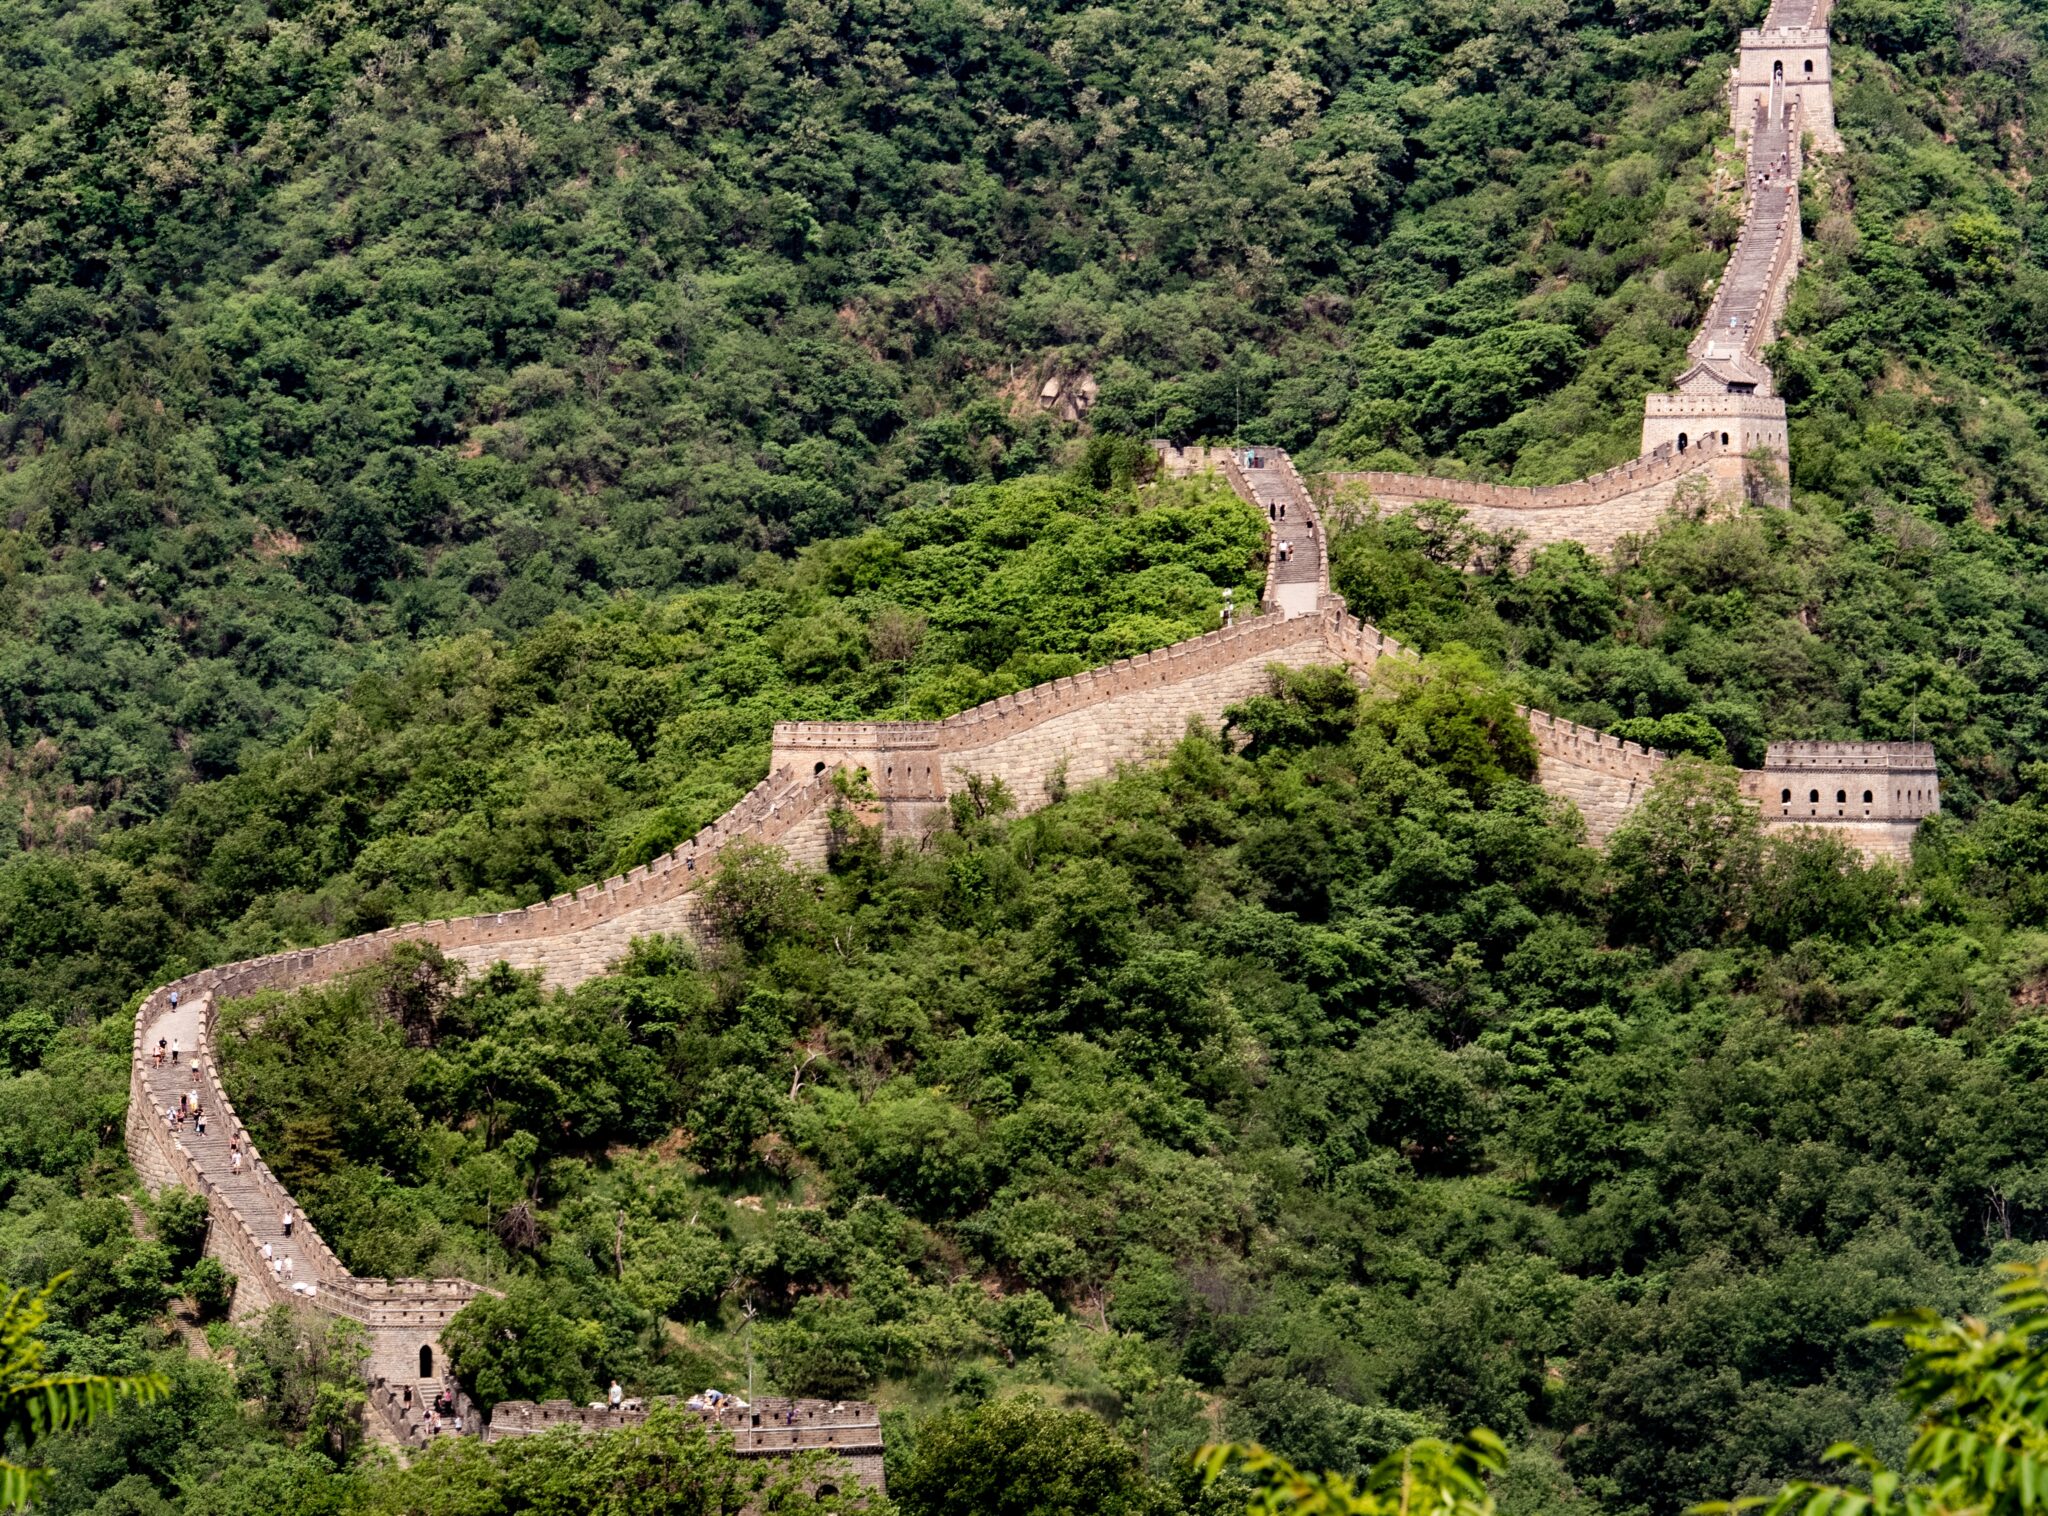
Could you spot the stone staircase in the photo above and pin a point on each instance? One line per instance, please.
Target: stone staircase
(1742, 317)
(1297, 562)
(252, 1192)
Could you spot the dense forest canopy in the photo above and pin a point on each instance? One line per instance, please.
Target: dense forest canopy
(438, 442)
(332, 327)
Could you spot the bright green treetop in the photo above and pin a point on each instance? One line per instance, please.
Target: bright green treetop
(34, 1404)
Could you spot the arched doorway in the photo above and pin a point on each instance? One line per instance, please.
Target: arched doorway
(426, 1360)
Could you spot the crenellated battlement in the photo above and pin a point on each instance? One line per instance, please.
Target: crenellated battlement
(1891, 757)
(1658, 466)
(1724, 434)
(1037, 742)
(774, 1424)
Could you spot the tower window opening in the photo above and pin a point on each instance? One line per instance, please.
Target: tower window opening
(1840, 796)
(1809, 67)
(1866, 797)
(1724, 439)
(1784, 797)
(1813, 797)
(1683, 441)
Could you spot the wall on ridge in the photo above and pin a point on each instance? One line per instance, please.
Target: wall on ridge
(570, 938)
(1596, 513)
(1139, 720)
(1071, 730)
(1081, 729)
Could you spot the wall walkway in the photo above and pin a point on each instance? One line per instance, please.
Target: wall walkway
(1037, 742)
(1719, 441)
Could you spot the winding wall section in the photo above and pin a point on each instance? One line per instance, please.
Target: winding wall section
(1036, 742)
(1718, 440)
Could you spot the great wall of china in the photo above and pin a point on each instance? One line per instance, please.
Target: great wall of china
(1037, 742)
(1719, 440)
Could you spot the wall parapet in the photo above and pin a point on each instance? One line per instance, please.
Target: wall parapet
(1665, 463)
(773, 1425)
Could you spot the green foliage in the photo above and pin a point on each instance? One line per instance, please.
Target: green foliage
(211, 1288)
(1317, 1082)
(455, 328)
(489, 774)
(1687, 863)
(1979, 1391)
(179, 1219)
(36, 1405)
(520, 1347)
(1447, 713)
(664, 1466)
(1019, 1457)
(1426, 1478)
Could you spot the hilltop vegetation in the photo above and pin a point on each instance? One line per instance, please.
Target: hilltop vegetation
(437, 444)
(491, 773)
(1330, 1081)
(335, 327)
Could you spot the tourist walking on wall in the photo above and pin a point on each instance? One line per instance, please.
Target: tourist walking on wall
(285, 1221)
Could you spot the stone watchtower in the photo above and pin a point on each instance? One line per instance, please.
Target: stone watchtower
(1780, 68)
(1874, 794)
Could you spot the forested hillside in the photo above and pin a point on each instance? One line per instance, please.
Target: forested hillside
(332, 327)
(438, 442)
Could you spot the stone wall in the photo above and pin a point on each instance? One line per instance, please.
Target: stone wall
(1605, 777)
(1780, 66)
(569, 938)
(1630, 499)
(1070, 731)
(773, 1426)
(1697, 446)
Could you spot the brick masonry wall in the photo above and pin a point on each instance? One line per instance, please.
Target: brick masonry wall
(1596, 513)
(1087, 741)
(1080, 729)
(1605, 777)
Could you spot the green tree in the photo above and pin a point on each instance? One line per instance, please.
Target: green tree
(521, 1346)
(1979, 1391)
(35, 1404)
(1448, 711)
(1687, 863)
(1018, 1456)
